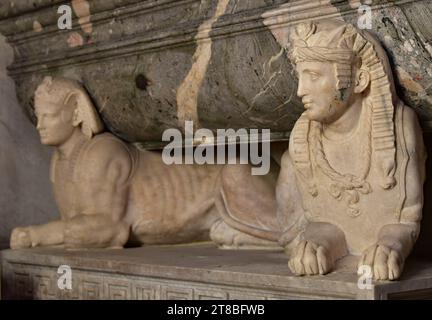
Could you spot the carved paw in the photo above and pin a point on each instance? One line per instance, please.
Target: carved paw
(385, 263)
(20, 238)
(228, 238)
(310, 259)
(87, 232)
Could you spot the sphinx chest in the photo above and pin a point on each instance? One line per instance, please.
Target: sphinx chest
(65, 188)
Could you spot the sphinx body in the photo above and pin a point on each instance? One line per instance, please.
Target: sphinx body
(380, 225)
(354, 172)
(110, 194)
(351, 181)
(157, 203)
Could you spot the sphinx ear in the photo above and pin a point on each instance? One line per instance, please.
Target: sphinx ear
(76, 119)
(362, 81)
(71, 102)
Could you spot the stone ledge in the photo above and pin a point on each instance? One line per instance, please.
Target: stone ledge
(191, 272)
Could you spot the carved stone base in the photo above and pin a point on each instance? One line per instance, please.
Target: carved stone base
(191, 272)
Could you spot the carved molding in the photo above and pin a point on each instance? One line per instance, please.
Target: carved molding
(26, 281)
(33, 274)
(149, 39)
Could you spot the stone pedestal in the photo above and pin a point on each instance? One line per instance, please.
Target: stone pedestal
(191, 272)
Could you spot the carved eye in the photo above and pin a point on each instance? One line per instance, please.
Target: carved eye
(314, 76)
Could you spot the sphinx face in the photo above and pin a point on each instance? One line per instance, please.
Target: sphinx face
(54, 122)
(317, 88)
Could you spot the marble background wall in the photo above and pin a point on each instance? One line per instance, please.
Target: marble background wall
(25, 191)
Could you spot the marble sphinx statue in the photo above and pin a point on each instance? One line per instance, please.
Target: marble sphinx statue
(110, 194)
(351, 181)
(352, 178)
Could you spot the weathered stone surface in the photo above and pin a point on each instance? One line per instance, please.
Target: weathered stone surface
(191, 272)
(152, 64)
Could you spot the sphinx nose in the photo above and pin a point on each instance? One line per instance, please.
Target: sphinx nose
(301, 90)
(39, 125)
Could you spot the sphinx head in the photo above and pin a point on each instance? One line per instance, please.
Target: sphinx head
(63, 106)
(331, 74)
(338, 65)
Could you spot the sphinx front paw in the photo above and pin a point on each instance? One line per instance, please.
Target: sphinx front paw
(20, 238)
(91, 232)
(385, 263)
(310, 258)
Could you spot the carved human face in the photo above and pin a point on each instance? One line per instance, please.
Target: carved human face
(317, 88)
(54, 121)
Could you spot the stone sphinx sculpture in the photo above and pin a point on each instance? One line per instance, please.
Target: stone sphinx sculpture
(352, 178)
(110, 193)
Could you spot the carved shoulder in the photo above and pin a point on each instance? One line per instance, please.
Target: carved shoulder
(413, 142)
(106, 157)
(413, 134)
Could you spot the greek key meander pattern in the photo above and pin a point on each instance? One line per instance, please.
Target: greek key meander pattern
(39, 282)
